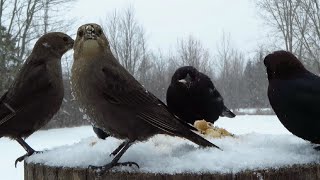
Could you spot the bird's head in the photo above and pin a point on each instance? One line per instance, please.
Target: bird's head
(185, 76)
(282, 65)
(90, 40)
(56, 43)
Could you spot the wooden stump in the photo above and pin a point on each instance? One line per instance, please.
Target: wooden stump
(42, 172)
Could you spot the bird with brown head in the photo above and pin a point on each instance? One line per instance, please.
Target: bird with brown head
(37, 91)
(115, 101)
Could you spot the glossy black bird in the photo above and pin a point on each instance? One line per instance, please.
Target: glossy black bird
(192, 96)
(37, 92)
(115, 101)
(100, 133)
(294, 94)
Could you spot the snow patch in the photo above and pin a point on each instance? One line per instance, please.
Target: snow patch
(166, 154)
(254, 110)
(268, 133)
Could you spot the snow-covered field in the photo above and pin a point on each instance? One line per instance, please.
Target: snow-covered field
(262, 142)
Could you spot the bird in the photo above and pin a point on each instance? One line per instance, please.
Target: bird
(100, 133)
(192, 96)
(294, 95)
(37, 91)
(115, 101)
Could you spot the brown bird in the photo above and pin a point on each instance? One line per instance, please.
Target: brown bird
(36, 93)
(116, 102)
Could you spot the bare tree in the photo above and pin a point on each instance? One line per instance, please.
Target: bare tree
(190, 52)
(161, 73)
(255, 82)
(298, 22)
(127, 39)
(21, 22)
(281, 15)
(22, 19)
(50, 17)
(229, 78)
(308, 24)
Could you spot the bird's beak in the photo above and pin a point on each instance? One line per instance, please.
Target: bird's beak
(186, 81)
(71, 43)
(90, 32)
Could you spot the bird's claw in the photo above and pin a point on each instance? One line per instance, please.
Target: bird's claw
(22, 158)
(95, 167)
(129, 163)
(102, 169)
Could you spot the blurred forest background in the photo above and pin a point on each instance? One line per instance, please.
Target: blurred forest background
(241, 80)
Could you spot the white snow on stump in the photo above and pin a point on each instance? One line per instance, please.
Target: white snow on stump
(166, 154)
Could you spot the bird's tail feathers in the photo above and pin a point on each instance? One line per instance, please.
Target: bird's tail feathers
(200, 140)
(227, 113)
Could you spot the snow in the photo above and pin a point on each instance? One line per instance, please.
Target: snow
(261, 142)
(254, 110)
(11, 150)
(164, 154)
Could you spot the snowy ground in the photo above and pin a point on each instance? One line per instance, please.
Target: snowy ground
(252, 111)
(262, 142)
(41, 140)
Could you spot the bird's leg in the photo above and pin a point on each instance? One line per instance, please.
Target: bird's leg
(29, 150)
(115, 160)
(116, 151)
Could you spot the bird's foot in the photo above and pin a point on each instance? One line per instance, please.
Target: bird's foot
(114, 153)
(102, 169)
(22, 158)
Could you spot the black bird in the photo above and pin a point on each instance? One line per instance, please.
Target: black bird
(36, 93)
(294, 94)
(115, 101)
(100, 133)
(192, 96)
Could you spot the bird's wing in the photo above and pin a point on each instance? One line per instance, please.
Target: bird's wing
(301, 94)
(32, 79)
(128, 92)
(208, 87)
(7, 111)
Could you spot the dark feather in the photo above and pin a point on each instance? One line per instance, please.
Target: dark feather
(294, 94)
(195, 99)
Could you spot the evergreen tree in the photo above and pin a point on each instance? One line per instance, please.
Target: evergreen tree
(9, 62)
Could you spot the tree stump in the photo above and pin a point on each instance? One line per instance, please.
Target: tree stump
(43, 172)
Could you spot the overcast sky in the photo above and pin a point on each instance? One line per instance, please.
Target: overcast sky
(167, 20)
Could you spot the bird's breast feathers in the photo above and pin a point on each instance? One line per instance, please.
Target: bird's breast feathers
(90, 47)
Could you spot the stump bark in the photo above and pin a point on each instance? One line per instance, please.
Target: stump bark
(43, 172)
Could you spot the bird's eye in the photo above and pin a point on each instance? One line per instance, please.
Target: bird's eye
(99, 31)
(65, 39)
(80, 33)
